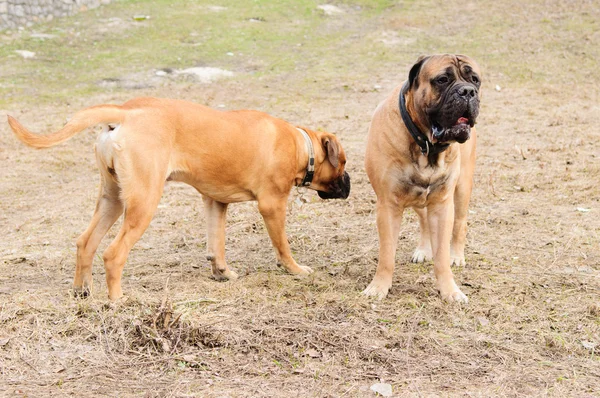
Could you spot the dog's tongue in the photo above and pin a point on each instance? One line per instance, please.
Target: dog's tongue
(462, 120)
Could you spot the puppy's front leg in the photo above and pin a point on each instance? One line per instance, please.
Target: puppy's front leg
(273, 209)
(440, 217)
(216, 213)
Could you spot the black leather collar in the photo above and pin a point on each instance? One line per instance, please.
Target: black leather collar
(427, 148)
(310, 168)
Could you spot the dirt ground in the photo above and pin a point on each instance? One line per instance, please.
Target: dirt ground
(531, 327)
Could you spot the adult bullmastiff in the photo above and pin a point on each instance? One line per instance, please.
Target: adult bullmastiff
(421, 154)
(228, 157)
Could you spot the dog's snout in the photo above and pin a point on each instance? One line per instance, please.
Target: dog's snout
(467, 92)
(338, 189)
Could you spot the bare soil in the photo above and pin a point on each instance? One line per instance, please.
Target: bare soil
(532, 325)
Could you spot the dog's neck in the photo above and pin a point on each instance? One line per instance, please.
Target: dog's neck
(310, 168)
(428, 149)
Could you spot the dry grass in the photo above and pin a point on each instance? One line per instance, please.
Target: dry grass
(531, 328)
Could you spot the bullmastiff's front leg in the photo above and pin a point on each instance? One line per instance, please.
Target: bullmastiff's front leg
(216, 213)
(389, 219)
(462, 196)
(273, 211)
(440, 217)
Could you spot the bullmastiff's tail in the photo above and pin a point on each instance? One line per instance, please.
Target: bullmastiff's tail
(99, 114)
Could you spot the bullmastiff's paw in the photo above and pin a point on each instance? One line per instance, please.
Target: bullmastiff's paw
(456, 297)
(378, 288)
(457, 257)
(421, 255)
(225, 275)
(81, 292)
(119, 302)
(302, 270)
(458, 261)
(452, 294)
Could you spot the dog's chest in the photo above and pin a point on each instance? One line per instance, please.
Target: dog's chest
(419, 187)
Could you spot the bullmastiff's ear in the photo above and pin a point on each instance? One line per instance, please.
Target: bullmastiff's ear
(332, 149)
(414, 71)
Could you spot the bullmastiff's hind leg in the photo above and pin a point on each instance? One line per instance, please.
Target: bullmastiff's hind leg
(108, 209)
(423, 251)
(216, 213)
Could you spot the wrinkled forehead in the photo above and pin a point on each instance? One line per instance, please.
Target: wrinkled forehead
(449, 63)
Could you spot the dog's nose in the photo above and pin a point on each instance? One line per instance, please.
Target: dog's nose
(467, 92)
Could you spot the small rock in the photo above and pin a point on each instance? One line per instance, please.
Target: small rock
(383, 389)
(25, 54)
(313, 353)
(330, 9)
(205, 74)
(583, 209)
(498, 88)
(588, 345)
(42, 36)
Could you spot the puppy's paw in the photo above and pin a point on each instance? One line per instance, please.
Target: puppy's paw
(378, 288)
(421, 255)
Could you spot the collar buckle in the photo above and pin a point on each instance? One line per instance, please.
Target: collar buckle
(310, 168)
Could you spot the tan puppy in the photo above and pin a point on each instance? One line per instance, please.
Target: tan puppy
(227, 156)
(424, 157)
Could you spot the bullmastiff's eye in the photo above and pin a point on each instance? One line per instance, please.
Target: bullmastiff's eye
(442, 80)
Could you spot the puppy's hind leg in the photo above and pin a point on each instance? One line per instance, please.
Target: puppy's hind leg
(216, 213)
(423, 252)
(108, 209)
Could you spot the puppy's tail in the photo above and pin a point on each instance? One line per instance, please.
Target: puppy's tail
(99, 114)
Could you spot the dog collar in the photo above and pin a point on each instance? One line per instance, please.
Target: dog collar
(310, 168)
(427, 148)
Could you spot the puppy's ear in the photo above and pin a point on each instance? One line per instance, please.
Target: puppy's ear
(414, 71)
(332, 149)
